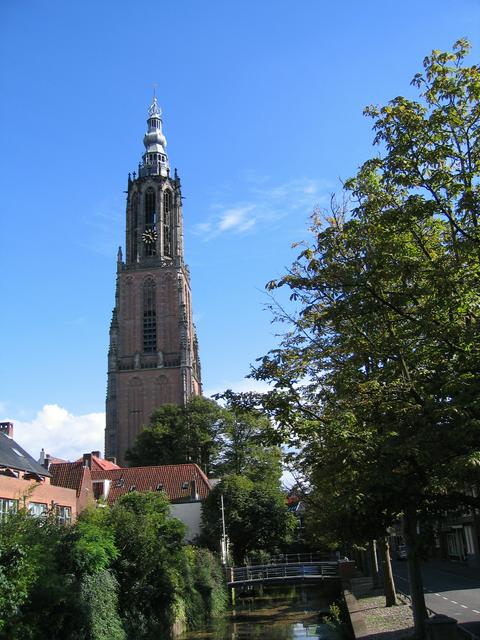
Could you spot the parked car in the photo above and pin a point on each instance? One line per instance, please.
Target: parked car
(401, 552)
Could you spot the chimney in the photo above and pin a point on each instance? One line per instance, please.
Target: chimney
(41, 459)
(47, 461)
(87, 460)
(7, 429)
(111, 459)
(96, 454)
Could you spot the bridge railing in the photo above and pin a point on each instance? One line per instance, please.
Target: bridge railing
(261, 573)
(296, 558)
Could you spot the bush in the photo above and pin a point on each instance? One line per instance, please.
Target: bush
(99, 596)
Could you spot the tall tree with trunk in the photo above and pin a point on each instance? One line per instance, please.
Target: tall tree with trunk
(380, 368)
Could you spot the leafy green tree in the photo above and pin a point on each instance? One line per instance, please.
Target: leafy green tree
(93, 542)
(380, 368)
(243, 449)
(46, 603)
(178, 434)
(148, 567)
(17, 572)
(256, 517)
(115, 571)
(99, 597)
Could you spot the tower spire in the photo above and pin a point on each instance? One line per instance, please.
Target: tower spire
(155, 159)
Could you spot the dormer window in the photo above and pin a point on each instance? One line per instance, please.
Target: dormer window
(184, 486)
(132, 488)
(160, 486)
(119, 483)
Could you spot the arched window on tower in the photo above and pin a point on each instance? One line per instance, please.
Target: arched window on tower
(134, 228)
(167, 223)
(149, 317)
(150, 233)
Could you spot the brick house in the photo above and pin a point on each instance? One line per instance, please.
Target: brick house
(185, 485)
(26, 483)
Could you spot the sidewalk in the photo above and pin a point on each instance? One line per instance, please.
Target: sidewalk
(371, 620)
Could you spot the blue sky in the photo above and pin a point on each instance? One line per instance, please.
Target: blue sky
(262, 107)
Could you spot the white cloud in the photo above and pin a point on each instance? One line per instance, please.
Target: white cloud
(60, 433)
(237, 218)
(264, 204)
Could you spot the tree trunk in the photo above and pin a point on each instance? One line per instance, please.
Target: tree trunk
(388, 583)
(374, 564)
(415, 573)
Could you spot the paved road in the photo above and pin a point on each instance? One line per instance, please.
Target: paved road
(454, 595)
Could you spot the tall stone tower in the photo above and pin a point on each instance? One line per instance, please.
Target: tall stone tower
(153, 354)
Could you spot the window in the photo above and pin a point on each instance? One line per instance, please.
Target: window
(119, 483)
(184, 486)
(63, 515)
(98, 489)
(149, 206)
(150, 248)
(167, 223)
(38, 509)
(134, 227)
(159, 486)
(7, 506)
(149, 317)
(133, 488)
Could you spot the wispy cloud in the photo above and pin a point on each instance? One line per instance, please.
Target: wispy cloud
(264, 203)
(238, 218)
(60, 433)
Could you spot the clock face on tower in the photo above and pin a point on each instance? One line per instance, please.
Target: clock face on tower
(149, 236)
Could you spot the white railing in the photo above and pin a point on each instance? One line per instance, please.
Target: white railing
(266, 572)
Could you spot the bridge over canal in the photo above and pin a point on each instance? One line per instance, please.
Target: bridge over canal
(282, 573)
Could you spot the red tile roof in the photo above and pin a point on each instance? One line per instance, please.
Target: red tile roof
(174, 479)
(101, 463)
(71, 475)
(53, 460)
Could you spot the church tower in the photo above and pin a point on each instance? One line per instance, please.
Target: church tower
(153, 354)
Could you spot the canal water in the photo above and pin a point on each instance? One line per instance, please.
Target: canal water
(283, 613)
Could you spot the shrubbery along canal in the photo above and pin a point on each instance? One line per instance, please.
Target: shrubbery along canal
(280, 613)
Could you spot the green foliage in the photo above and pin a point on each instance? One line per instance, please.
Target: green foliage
(116, 573)
(151, 549)
(222, 440)
(378, 373)
(243, 449)
(180, 434)
(99, 598)
(204, 590)
(45, 604)
(256, 516)
(16, 573)
(93, 542)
